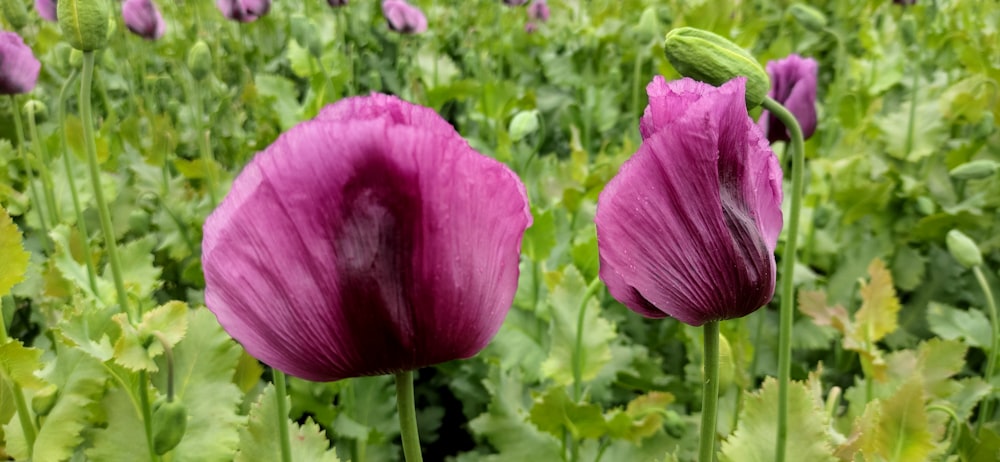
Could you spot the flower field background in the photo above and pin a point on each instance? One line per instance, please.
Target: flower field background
(893, 328)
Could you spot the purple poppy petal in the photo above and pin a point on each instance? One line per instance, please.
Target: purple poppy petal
(380, 106)
(538, 11)
(403, 17)
(46, 9)
(689, 224)
(143, 19)
(794, 86)
(365, 246)
(243, 10)
(18, 66)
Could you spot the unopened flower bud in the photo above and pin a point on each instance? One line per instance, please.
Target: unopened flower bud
(713, 59)
(649, 25)
(523, 124)
(15, 12)
(964, 249)
(199, 60)
(809, 17)
(908, 29)
(84, 23)
(975, 170)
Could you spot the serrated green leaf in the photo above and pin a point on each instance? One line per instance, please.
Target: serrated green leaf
(259, 438)
(140, 275)
(19, 363)
(553, 412)
(80, 380)
(124, 439)
(12, 254)
(642, 417)
(879, 307)
(753, 440)
(939, 361)
(85, 326)
(565, 303)
(951, 323)
(248, 372)
(540, 238)
(76, 272)
(900, 432)
(138, 346)
(505, 423)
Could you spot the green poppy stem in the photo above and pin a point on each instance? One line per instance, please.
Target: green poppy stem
(32, 190)
(710, 393)
(986, 411)
(27, 426)
(578, 349)
(281, 394)
(408, 417)
(43, 167)
(787, 270)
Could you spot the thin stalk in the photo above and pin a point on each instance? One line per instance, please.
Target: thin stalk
(32, 190)
(281, 394)
(710, 393)
(204, 145)
(107, 228)
(986, 411)
(43, 167)
(578, 348)
(147, 415)
(408, 417)
(27, 426)
(787, 269)
(71, 181)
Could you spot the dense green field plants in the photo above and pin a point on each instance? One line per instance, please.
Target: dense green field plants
(894, 335)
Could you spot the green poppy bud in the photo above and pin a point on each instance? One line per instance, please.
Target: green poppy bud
(710, 58)
(169, 424)
(964, 249)
(84, 23)
(975, 170)
(15, 12)
(523, 124)
(43, 401)
(908, 29)
(649, 25)
(199, 60)
(809, 17)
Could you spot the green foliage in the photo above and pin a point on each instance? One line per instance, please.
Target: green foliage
(258, 439)
(11, 253)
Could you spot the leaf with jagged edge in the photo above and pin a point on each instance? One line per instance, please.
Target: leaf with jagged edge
(597, 332)
(259, 438)
(76, 272)
(85, 326)
(204, 364)
(140, 275)
(19, 363)
(753, 440)
(642, 417)
(900, 432)
(505, 423)
(124, 439)
(138, 346)
(80, 380)
(12, 254)
(877, 316)
(554, 412)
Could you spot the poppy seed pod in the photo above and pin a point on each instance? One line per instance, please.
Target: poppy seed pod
(15, 12)
(370, 240)
(403, 17)
(794, 86)
(688, 226)
(710, 58)
(19, 72)
(46, 9)
(243, 10)
(143, 19)
(84, 23)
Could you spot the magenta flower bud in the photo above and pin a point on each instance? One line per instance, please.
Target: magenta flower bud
(243, 10)
(793, 84)
(370, 240)
(530, 27)
(403, 17)
(18, 65)
(336, 3)
(46, 9)
(143, 19)
(688, 226)
(538, 11)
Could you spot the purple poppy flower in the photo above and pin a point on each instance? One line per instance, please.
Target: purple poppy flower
(336, 3)
(904, 2)
(18, 65)
(243, 10)
(46, 9)
(688, 226)
(143, 19)
(403, 17)
(538, 11)
(370, 240)
(793, 84)
(530, 27)
(514, 2)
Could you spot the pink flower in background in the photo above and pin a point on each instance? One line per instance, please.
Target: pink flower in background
(538, 11)
(514, 2)
(46, 9)
(336, 3)
(243, 10)
(370, 240)
(688, 226)
(143, 19)
(403, 17)
(18, 65)
(793, 84)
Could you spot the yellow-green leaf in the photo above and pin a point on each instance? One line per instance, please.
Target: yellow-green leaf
(900, 431)
(13, 258)
(879, 308)
(19, 363)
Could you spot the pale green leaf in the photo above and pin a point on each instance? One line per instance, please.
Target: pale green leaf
(900, 433)
(19, 363)
(140, 275)
(554, 412)
(505, 424)
(124, 439)
(12, 255)
(951, 323)
(76, 272)
(753, 440)
(80, 380)
(259, 439)
(565, 301)
(877, 316)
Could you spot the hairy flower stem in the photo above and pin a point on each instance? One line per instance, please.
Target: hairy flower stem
(27, 426)
(43, 167)
(986, 411)
(71, 181)
(281, 394)
(787, 270)
(408, 417)
(32, 190)
(578, 348)
(710, 393)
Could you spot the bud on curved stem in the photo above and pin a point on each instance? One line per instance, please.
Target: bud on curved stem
(710, 58)
(964, 249)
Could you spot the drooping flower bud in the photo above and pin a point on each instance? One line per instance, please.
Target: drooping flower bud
(143, 19)
(15, 12)
(19, 70)
(84, 23)
(808, 16)
(964, 249)
(37, 109)
(46, 9)
(523, 124)
(712, 59)
(199, 60)
(538, 11)
(975, 170)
